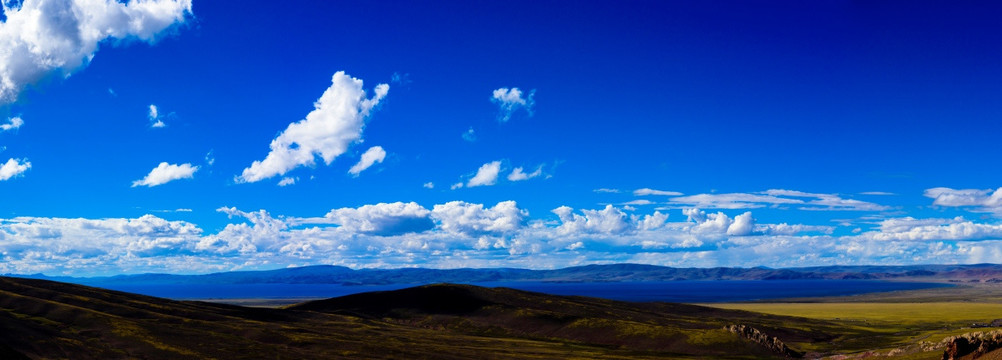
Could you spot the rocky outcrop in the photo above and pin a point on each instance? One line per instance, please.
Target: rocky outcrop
(770, 342)
(976, 344)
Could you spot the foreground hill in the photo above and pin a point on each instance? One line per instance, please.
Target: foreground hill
(326, 274)
(45, 319)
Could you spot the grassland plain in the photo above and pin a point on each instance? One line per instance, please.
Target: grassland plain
(906, 324)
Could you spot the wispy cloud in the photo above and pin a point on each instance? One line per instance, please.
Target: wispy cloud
(648, 191)
(154, 115)
(12, 124)
(520, 175)
(511, 100)
(470, 135)
(606, 190)
(982, 200)
(778, 197)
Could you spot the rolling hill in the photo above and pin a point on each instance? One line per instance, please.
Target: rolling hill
(46, 319)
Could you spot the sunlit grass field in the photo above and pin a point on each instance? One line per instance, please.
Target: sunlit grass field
(891, 325)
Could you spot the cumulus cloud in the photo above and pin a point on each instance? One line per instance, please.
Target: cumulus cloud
(165, 173)
(373, 155)
(743, 225)
(13, 167)
(648, 191)
(473, 219)
(12, 124)
(462, 234)
(981, 200)
(511, 100)
(487, 175)
(383, 219)
(286, 181)
(609, 220)
(335, 123)
(519, 175)
(33, 244)
(41, 37)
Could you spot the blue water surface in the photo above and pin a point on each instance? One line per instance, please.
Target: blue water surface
(690, 291)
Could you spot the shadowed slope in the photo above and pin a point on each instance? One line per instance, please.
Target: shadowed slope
(502, 312)
(44, 319)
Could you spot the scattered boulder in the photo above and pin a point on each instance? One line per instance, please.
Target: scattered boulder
(770, 342)
(975, 344)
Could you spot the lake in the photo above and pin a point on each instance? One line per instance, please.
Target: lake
(668, 291)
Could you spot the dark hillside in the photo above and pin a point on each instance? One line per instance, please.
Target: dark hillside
(41, 319)
(667, 327)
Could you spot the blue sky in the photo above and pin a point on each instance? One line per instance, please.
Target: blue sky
(193, 136)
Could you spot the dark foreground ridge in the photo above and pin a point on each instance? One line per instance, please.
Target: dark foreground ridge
(45, 319)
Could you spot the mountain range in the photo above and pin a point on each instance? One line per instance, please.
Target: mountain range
(326, 274)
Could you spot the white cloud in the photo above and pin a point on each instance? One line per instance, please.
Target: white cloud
(606, 221)
(519, 175)
(12, 124)
(154, 115)
(647, 191)
(13, 167)
(429, 185)
(42, 37)
(606, 190)
(911, 229)
(743, 225)
(335, 123)
(794, 229)
(286, 181)
(776, 198)
(877, 193)
(487, 175)
(470, 135)
(733, 201)
(209, 158)
(455, 186)
(981, 200)
(472, 219)
(383, 219)
(373, 155)
(511, 100)
(165, 173)
(461, 234)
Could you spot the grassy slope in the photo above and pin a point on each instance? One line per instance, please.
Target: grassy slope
(901, 319)
(44, 319)
(506, 312)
